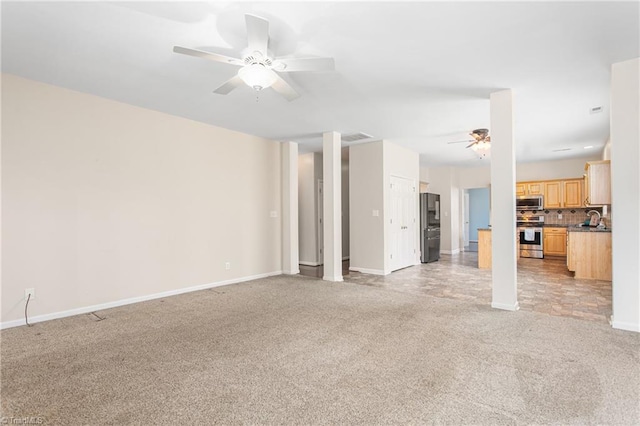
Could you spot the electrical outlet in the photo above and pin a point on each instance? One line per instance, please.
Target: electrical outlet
(227, 265)
(559, 215)
(29, 291)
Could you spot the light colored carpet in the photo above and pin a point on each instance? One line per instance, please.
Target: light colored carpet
(297, 350)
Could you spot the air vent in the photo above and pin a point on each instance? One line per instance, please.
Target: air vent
(355, 137)
(595, 110)
(561, 149)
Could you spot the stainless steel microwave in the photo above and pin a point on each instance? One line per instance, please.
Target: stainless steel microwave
(529, 202)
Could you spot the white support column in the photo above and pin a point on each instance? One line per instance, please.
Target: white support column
(290, 208)
(332, 208)
(625, 196)
(503, 205)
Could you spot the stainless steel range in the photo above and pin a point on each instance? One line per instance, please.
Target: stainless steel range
(530, 235)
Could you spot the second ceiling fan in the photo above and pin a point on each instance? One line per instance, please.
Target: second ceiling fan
(481, 139)
(258, 69)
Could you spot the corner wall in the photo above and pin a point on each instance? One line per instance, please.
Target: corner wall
(106, 203)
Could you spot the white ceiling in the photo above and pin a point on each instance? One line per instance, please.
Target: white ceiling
(417, 73)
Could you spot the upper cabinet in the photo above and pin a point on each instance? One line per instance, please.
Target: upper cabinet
(563, 194)
(597, 183)
(557, 194)
(572, 193)
(529, 188)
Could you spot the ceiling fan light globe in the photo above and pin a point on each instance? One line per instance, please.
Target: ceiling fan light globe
(257, 76)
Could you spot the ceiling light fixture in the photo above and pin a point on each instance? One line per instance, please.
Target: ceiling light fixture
(588, 147)
(257, 76)
(481, 146)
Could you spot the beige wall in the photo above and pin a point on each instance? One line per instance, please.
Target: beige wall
(558, 169)
(366, 181)
(103, 201)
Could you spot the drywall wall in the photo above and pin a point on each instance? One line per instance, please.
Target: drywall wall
(559, 169)
(306, 210)
(366, 198)
(625, 186)
(404, 163)
(442, 181)
(104, 202)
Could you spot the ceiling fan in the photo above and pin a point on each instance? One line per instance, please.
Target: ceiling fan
(481, 139)
(258, 69)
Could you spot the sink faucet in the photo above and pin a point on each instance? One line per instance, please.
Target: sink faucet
(596, 212)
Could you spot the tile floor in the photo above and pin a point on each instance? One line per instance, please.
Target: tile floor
(544, 285)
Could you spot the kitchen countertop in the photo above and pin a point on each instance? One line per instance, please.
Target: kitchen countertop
(570, 228)
(586, 229)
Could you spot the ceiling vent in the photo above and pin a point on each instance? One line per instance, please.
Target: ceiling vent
(355, 137)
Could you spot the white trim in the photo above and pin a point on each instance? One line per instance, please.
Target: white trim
(305, 263)
(297, 271)
(337, 278)
(456, 251)
(506, 307)
(123, 302)
(369, 271)
(628, 326)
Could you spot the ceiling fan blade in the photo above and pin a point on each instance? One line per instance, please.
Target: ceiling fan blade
(459, 142)
(208, 55)
(305, 64)
(229, 85)
(471, 144)
(257, 34)
(284, 88)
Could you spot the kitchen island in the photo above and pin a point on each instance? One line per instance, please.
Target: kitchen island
(484, 248)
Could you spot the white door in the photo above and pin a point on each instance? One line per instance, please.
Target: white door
(466, 218)
(403, 223)
(320, 224)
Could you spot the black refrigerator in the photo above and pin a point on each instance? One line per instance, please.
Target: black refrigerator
(429, 227)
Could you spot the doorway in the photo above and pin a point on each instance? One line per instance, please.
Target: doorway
(477, 214)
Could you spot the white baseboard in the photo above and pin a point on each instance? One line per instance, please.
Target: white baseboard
(456, 251)
(305, 263)
(337, 278)
(628, 326)
(505, 306)
(297, 271)
(115, 304)
(368, 271)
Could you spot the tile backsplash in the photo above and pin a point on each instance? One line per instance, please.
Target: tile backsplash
(569, 216)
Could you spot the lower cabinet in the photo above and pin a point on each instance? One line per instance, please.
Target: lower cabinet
(554, 241)
(590, 255)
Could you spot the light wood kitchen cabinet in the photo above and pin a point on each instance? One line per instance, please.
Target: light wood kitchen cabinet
(554, 241)
(597, 183)
(572, 193)
(589, 254)
(484, 249)
(553, 195)
(529, 188)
